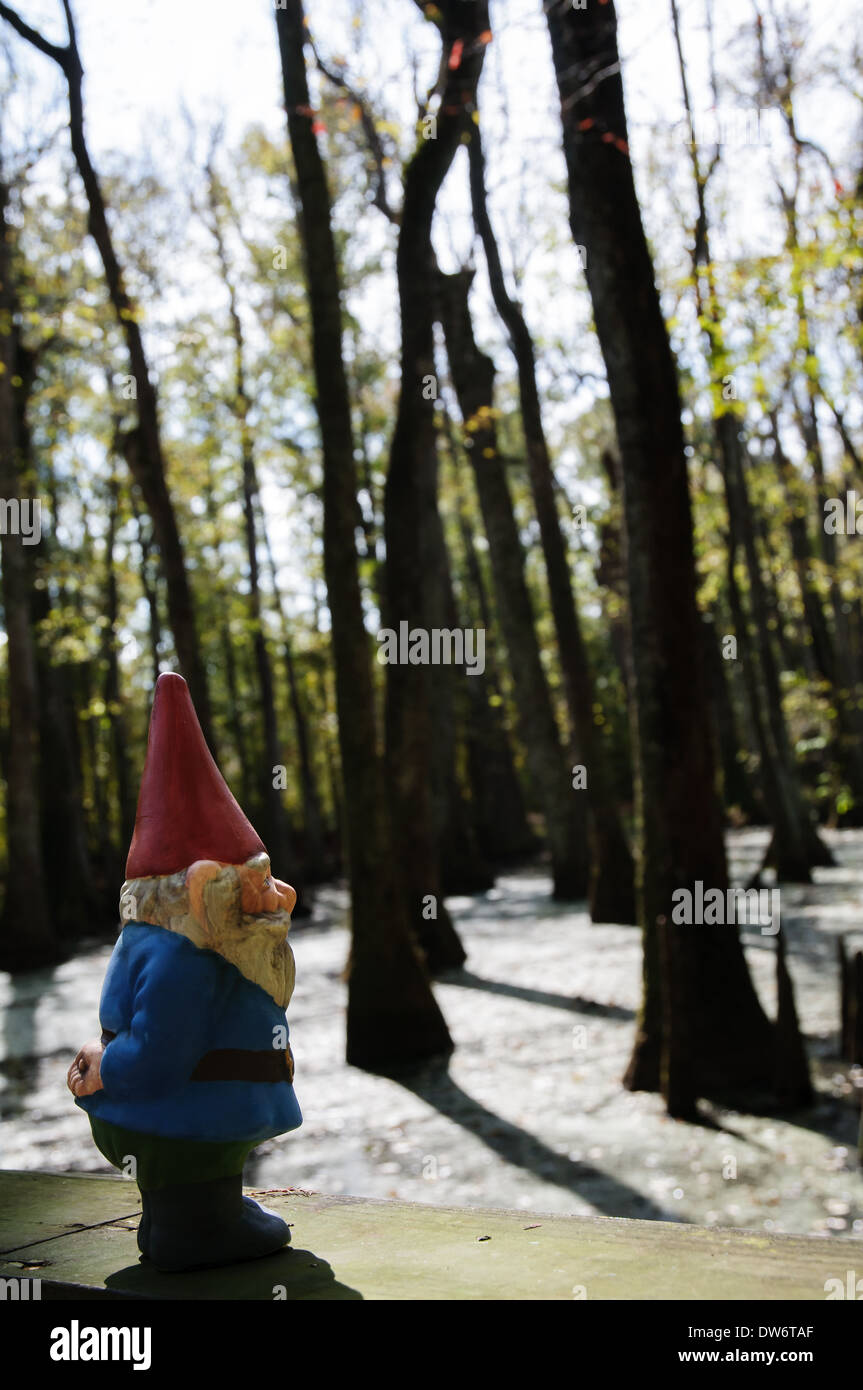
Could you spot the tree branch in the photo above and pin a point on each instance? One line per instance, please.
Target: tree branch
(370, 130)
(61, 54)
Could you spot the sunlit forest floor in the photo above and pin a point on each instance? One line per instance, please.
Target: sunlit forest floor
(530, 1112)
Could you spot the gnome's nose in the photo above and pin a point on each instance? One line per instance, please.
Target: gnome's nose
(288, 893)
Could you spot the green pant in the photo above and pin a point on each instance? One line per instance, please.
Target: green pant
(161, 1162)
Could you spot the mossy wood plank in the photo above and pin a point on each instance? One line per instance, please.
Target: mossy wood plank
(39, 1206)
(345, 1248)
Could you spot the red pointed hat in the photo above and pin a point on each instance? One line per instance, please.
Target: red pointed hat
(185, 807)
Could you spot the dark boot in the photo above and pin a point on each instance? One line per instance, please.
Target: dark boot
(195, 1225)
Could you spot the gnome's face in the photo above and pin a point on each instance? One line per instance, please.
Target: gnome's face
(263, 893)
(244, 914)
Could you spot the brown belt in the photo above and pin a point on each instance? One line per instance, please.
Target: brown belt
(238, 1064)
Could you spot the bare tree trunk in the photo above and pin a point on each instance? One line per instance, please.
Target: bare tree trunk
(249, 790)
(855, 1051)
(679, 816)
(77, 902)
(453, 832)
(410, 518)
(611, 892)
(393, 1018)
(371, 522)
(845, 995)
(793, 1083)
(96, 760)
(846, 691)
(313, 820)
(277, 834)
(463, 869)
(848, 746)
(736, 783)
(148, 584)
(473, 379)
(502, 828)
(816, 621)
(113, 695)
(795, 846)
(611, 573)
(27, 933)
(144, 447)
(778, 86)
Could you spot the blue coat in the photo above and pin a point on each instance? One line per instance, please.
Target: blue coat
(170, 1003)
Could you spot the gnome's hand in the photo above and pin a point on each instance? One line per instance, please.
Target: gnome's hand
(85, 1074)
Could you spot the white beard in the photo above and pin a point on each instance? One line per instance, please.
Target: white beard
(260, 951)
(257, 946)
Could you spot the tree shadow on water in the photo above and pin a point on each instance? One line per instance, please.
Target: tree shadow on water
(606, 1193)
(571, 1003)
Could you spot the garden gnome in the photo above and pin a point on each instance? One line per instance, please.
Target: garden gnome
(193, 1068)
